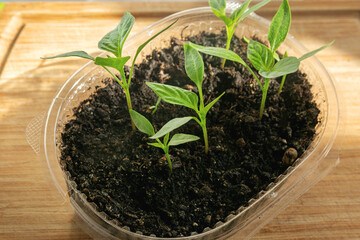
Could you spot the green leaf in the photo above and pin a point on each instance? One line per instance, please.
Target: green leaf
(228, 22)
(175, 95)
(239, 11)
(260, 56)
(309, 54)
(141, 47)
(170, 126)
(159, 145)
(114, 41)
(117, 63)
(181, 138)
(166, 139)
(218, 5)
(142, 123)
(194, 65)
(286, 55)
(280, 26)
(218, 52)
(284, 66)
(156, 106)
(246, 40)
(209, 106)
(81, 54)
(276, 56)
(253, 9)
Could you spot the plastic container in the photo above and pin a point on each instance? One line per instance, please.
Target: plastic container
(321, 156)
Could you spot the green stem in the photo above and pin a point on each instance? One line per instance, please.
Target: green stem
(131, 71)
(127, 93)
(168, 159)
(128, 100)
(114, 76)
(165, 148)
(156, 106)
(205, 136)
(202, 122)
(228, 41)
(282, 83)
(284, 77)
(263, 99)
(201, 98)
(203, 119)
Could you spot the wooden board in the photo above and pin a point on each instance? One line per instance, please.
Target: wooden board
(330, 210)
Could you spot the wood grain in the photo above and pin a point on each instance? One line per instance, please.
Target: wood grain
(29, 209)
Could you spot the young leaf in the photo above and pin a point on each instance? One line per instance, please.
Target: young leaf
(246, 40)
(279, 26)
(207, 107)
(81, 54)
(284, 66)
(141, 47)
(114, 41)
(117, 63)
(175, 95)
(285, 54)
(218, 5)
(276, 56)
(309, 54)
(194, 65)
(253, 9)
(260, 56)
(181, 138)
(171, 125)
(218, 52)
(240, 10)
(159, 145)
(142, 123)
(166, 139)
(156, 106)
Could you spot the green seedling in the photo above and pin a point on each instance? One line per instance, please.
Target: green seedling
(113, 42)
(194, 67)
(265, 60)
(230, 55)
(231, 23)
(155, 107)
(180, 138)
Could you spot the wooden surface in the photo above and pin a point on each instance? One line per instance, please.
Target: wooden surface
(330, 210)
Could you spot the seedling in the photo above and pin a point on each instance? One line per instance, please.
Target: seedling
(113, 42)
(194, 67)
(265, 59)
(155, 107)
(219, 6)
(180, 138)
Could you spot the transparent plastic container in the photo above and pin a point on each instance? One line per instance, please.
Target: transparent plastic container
(321, 156)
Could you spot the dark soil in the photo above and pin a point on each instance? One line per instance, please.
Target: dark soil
(131, 181)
